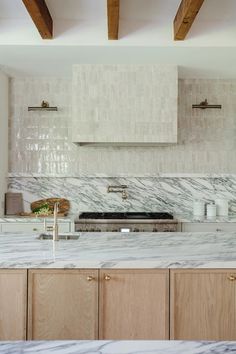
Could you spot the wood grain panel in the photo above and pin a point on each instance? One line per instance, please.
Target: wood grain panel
(63, 304)
(13, 298)
(113, 7)
(41, 17)
(202, 305)
(134, 304)
(185, 17)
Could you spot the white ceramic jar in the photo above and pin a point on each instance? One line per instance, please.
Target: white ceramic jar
(222, 207)
(199, 208)
(211, 210)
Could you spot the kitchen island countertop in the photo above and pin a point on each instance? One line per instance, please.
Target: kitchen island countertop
(117, 347)
(120, 250)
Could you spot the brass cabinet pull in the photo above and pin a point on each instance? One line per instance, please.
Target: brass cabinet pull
(90, 278)
(107, 277)
(231, 277)
(35, 229)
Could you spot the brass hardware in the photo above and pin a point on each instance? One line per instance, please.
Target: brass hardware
(231, 277)
(107, 277)
(55, 236)
(90, 278)
(218, 230)
(205, 104)
(119, 189)
(43, 107)
(44, 104)
(34, 229)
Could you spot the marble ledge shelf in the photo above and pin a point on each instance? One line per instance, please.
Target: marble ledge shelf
(124, 175)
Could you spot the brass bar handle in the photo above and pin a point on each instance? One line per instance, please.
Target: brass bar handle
(107, 277)
(90, 278)
(231, 277)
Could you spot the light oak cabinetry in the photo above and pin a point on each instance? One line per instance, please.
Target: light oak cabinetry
(203, 305)
(118, 304)
(13, 304)
(62, 304)
(134, 304)
(208, 226)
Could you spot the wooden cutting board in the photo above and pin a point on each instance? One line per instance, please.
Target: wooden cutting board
(63, 208)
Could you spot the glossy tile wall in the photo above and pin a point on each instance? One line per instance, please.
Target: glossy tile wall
(40, 143)
(43, 162)
(124, 103)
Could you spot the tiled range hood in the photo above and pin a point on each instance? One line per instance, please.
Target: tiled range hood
(124, 104)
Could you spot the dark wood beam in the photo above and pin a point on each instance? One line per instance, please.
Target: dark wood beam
(113, 18)
(41, 17)
(185, 17)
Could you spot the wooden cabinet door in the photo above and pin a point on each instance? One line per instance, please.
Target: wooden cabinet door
(13, 304)
(134, 304)
(202, 305)
(63, 304)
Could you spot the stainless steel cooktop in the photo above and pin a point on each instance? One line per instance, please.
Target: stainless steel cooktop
(125, 216)
(126, 222)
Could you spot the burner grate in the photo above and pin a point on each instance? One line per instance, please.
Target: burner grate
(128, 215)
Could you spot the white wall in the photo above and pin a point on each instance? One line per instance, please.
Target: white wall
(3, 137)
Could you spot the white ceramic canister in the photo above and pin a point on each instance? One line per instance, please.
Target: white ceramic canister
(222, 207)
(211, 210)
(198, 208)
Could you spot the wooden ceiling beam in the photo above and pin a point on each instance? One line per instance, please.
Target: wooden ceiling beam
(41, 17)
(185, 17)
(113, 7)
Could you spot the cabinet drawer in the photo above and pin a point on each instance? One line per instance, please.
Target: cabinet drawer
(32, 227)
(22, 227)
(209, 227)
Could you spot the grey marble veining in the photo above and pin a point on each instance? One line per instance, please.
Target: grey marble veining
(172, 194)
(120, 250)
(118, 347)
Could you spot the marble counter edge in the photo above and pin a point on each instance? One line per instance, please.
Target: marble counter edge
(135, 264)
(119, 346)
(103, 175)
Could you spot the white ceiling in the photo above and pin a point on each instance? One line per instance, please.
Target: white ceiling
(212, 10)
(146, 35)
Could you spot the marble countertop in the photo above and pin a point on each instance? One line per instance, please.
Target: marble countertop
(117, 347)
(120, 250)
(192, 218)
(22, 219)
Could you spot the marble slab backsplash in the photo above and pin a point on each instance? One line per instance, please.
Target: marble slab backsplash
(173, 194)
